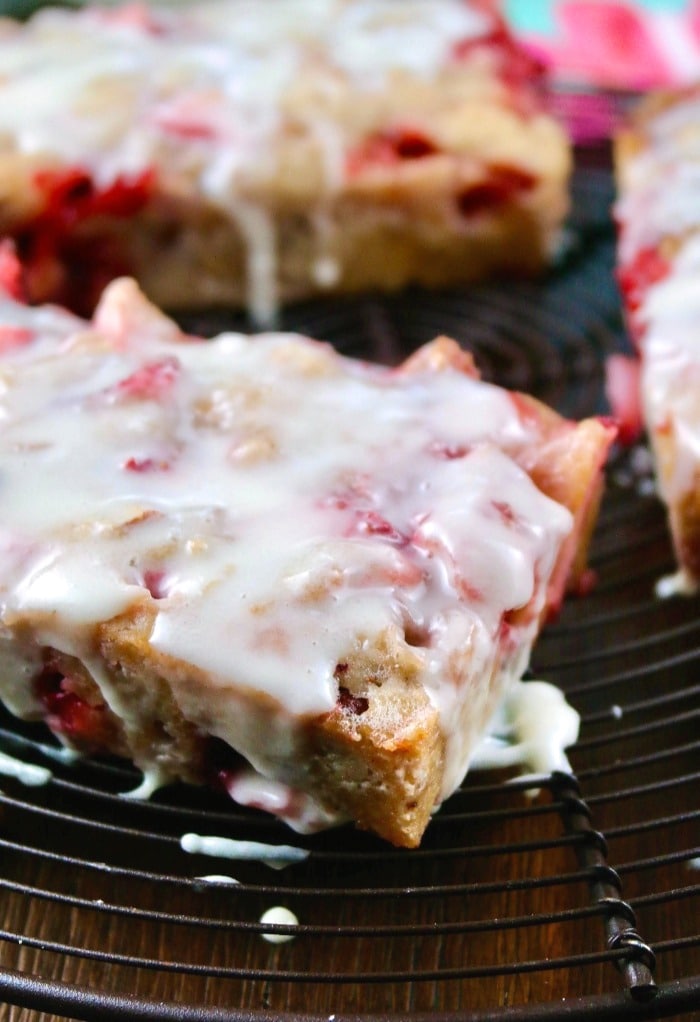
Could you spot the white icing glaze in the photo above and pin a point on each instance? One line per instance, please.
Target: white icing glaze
(18, 666)
(680, 583)
(680, 47)
(670, 380)
(660, 194)
(326, 271)
(153, 779)
(671, 366)
(279, 916)
(64, 755)
(661, 203)
(201, 93)
(219, 878)
(275, 856)
(27, 773)
(144, 468)
(532, 728)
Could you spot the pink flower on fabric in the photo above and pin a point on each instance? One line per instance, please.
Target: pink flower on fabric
(608, 44)
(694, 19)
(615, 44)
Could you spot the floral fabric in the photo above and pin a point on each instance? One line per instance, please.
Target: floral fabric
(615, 44)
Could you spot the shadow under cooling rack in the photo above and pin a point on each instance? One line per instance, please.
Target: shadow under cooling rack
(579, 901)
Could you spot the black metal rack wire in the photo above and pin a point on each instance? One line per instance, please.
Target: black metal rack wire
(581, 901)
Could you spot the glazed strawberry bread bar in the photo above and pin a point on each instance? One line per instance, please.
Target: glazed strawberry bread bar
(658, 168)
(252, 556)
(247, 153)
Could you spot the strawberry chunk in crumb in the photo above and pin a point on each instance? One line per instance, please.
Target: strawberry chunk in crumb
(156, 582)
(635, 278)
(151, 381)
(11, 280)
(449, 452)
(60, 261)
(69, 714)
(138, 16)
(500, 184)
(505, 512)
(371, 523)
(517, 67)
(622, 392)
(12, 337)
(146, 465)
(355, 705)
(390, 148)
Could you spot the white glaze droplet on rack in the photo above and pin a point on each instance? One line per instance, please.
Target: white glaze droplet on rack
(27, 773)
(275, 856)
(221, 879)
(533, 727)
(279, 916)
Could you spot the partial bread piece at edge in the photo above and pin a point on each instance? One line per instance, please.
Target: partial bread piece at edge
(656, 162)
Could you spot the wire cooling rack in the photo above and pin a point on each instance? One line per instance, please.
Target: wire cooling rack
(579, 901)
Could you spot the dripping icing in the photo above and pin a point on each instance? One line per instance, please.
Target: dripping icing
(27, 773)
(531, 729)
(274, 856)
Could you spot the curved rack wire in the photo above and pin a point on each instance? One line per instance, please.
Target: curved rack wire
(565, 897)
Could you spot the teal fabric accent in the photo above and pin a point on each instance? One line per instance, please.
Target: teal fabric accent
(536, 15)
(530, 15)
